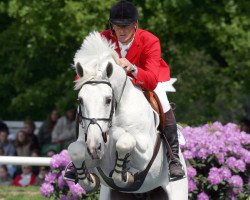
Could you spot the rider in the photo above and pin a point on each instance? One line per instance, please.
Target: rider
(140, 56)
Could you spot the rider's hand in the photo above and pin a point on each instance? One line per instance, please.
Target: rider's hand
(123, 62)
(128, 66)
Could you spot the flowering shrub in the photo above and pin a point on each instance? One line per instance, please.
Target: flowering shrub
(218, 160)
(56, 187)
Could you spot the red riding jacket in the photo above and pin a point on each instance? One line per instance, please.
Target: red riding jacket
(145, 53)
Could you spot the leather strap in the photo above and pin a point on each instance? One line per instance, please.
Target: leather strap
(154, 101)
(139, 177)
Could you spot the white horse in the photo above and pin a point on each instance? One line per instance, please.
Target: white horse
(118, 130)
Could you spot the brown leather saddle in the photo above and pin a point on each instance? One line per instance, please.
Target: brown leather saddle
(155, 103)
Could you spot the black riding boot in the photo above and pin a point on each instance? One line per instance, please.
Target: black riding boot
(170, 132)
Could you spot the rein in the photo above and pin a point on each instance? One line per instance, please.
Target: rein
(139, 177)
(123, 87)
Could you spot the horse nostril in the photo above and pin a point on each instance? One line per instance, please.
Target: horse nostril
(91, 153)
(99, 148)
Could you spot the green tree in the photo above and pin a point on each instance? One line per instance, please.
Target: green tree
(38, 42)
(205, 42)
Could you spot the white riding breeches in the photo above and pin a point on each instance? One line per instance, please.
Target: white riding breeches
(162, 95)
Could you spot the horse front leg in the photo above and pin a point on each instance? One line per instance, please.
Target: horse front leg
(124, 146)
(89, 181)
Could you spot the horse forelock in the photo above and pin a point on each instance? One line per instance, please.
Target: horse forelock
(94, 51)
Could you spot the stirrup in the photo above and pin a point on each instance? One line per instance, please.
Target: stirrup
(176, 178)
(70, 173)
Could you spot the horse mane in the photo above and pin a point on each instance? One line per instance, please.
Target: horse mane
(93, 51)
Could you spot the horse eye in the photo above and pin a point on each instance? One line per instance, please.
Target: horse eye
(108, 100)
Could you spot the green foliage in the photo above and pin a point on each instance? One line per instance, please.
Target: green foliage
(206, 43)
(38, 43)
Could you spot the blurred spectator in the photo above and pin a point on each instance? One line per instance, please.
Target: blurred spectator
(47, 127)
(10, 168)
(23, 144)
(35, 169)
(5, 178)
(34, 153)
(51, 152)
(245, 125)
(3, 126)
(45, 132)
(9, 149)
(29, 128)
(1, 151)
(26, 178)
(41, 176)
(64, 130)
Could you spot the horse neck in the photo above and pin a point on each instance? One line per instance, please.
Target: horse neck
(117, 80)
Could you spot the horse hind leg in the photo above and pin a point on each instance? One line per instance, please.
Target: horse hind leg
(90, 182)
(124, 146)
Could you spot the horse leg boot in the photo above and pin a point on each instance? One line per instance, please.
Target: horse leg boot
(124, 146)
(90, 182)
(170, 134)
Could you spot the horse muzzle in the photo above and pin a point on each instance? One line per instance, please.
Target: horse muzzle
(95, 152)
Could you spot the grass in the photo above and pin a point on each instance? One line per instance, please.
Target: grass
(31, 192)
(20, 193)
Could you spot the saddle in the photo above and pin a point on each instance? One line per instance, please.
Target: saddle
(155, 103)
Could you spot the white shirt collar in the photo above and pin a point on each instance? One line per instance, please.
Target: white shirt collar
(125, 47)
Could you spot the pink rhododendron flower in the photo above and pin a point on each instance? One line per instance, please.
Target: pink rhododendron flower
(191, 185)
(46, 189)
(191, 171)
(202, 196)
(225, 173)
(214, 176)
(219, 154)
(236, 181)
(51, 177)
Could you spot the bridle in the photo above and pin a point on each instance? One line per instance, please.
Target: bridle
(95, 120)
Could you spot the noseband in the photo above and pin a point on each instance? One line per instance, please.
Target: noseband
(95, 120)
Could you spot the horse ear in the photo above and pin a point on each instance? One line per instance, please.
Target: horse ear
(109, 69)
(79, 70)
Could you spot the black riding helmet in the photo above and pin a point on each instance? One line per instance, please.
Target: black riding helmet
(123, 13)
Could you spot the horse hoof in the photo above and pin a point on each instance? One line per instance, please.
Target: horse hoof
(96, 181)
(91, 183)
(130, 178)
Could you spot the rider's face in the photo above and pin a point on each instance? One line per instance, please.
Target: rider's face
(125, 33)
